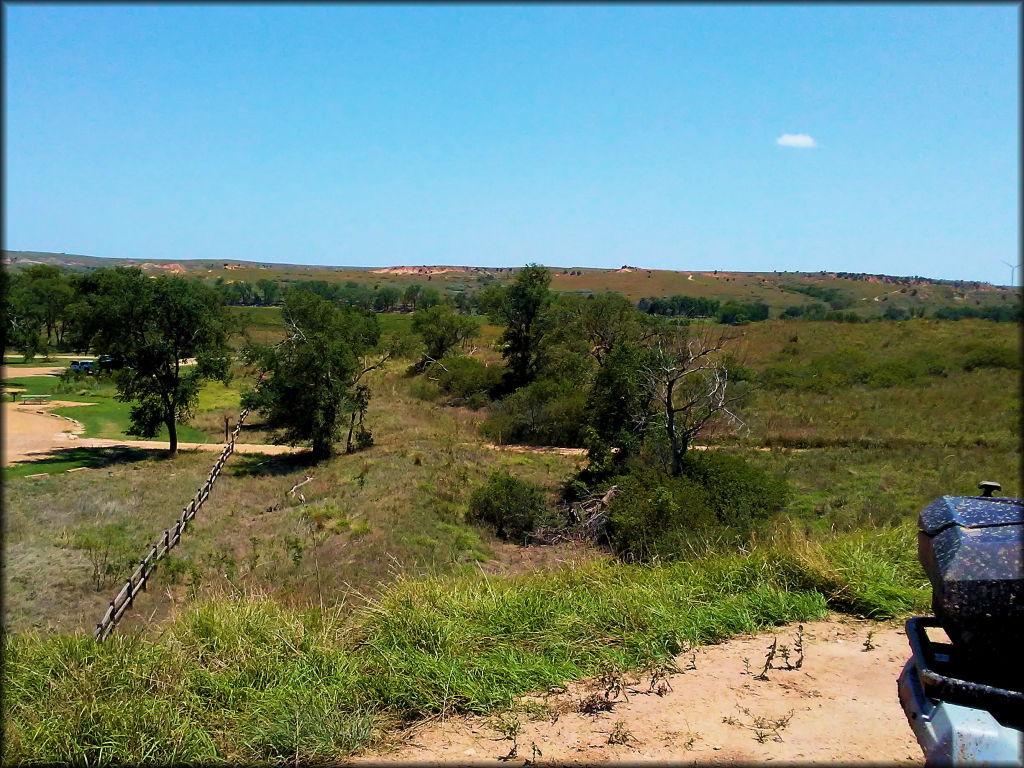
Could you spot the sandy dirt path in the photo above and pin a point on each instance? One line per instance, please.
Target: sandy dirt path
(843, 702)
(7, 372)
(32, 433)
(29, 429)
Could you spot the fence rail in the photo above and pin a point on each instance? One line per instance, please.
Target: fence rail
(165, 543)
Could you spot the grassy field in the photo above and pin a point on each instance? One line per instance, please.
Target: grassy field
(375, 600)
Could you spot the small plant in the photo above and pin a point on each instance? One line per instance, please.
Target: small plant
(620, 734)
(508, 504)
(595, 703)
(763, 727)
(768, 658)
(868, 644)
(659, 672)
(613, 681)
(509, 726)
(534, 753)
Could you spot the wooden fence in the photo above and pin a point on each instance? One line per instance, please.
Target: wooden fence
(164, 544)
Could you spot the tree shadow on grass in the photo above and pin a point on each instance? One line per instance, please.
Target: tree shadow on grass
(90, 458)
(255, 465)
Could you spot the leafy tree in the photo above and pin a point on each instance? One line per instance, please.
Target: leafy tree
(442, 330)
(619, 403)
(412, 295)
(154, 325)
(600, 322)
(386, 298)
(313, 378)
(46, 293)
(520, 308)
(269, 291)
(23, 317)
(429, 297)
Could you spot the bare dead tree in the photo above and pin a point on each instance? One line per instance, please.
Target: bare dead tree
(690, 382)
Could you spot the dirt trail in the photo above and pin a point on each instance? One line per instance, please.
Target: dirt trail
(843, 699)
(38, 370)
(31, 433)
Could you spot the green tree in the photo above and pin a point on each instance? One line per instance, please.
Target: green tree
(601, 322)
(386, 298)
(154, 326)
(49, 292)
(429, 297)
(442, 330)
(412, 295)
(23, 317)
(520, 307)
(269, 291)
(313, 377)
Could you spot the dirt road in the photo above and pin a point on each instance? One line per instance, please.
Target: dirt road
(842, 699)
(31, 432)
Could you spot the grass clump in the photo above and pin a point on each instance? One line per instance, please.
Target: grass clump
(243, 679)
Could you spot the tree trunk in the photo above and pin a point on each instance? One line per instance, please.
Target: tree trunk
(172, 435)
(673, 439)
(321, 448)
(351, 427)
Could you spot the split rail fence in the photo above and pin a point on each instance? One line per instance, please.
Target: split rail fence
(164, 544)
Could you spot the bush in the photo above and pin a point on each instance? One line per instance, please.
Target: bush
(718, 495)
(546, 412)
(655, 515)
(991, 357)
(739, 494)
(509, 505)
(467, 378)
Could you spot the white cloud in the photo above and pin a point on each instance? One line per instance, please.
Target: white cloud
(799, 140)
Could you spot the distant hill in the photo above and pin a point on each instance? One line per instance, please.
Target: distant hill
(866, 294)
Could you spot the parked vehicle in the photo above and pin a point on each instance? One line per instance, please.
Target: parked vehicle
(109, 363)
(83, 366)
(964, 699)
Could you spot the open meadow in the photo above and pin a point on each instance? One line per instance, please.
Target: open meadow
(315, 606)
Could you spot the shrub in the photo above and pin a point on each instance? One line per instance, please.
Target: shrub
(546, 412)
(991, 357)
(466, 378)
(655, 515)
(509, 505)
(739, 494)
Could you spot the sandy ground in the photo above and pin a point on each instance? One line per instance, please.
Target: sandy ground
(32, 433)
(37, 370)
(843, 702)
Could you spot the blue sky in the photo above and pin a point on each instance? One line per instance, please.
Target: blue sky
(500, 134)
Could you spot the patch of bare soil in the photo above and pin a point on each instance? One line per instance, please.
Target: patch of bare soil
(32, 433)
(39, 370)
(29, 430)
(838, 704)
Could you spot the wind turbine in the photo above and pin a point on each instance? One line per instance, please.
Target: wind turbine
(1013, 271)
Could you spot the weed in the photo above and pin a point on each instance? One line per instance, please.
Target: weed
(595, 703)
(868, 643)
(613, 681)
(768, 658)
(762, 726)
(620, 734)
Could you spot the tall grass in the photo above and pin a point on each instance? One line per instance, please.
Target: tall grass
(243, 679)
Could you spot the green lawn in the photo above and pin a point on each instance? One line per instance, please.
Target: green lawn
(107, 418)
